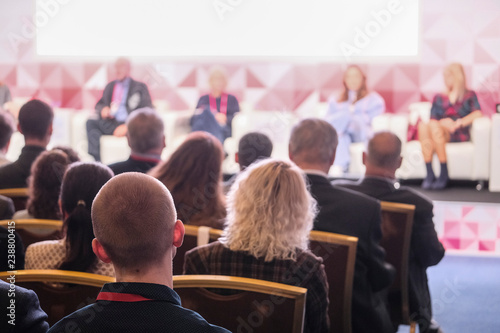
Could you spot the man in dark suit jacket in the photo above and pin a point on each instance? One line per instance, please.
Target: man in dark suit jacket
(146, 138)
(312, 147)
(382, 160)
(35, 123)
(136, 229)
(27, 316)
(119, 99)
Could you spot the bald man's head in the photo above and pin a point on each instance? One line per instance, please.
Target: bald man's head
(384, 151)
(133, 216)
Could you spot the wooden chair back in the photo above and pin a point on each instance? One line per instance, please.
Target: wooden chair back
(35, 230)
(397, 223)
(339, 257)
(79, 289)
(194, 236)
(18, 195)
(260, 306)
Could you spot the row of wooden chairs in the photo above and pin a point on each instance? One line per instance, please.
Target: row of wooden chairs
(254, 299)
(338, 253)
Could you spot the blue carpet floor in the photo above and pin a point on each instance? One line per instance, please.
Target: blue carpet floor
(465, 294)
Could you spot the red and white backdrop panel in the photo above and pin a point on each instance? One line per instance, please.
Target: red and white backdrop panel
(466, 31)
(468, 228)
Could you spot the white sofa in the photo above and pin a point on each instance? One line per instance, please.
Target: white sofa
(466, 160)
(495, 154)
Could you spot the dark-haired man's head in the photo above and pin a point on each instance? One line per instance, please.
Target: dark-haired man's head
(136, 227)
(312, 145)
(253, 147)
(383, 156)
(145, 132)
(6, 130)
(35, 122)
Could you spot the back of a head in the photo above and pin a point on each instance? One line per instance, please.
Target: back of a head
(45, 184)
(270, 211)
(384, 151)
(35, 119)
(133, 217)
(145, 130)
(70, 152)
(81, 183)
(6, 128)
(194, 170)
(313, 140)
(252, 147)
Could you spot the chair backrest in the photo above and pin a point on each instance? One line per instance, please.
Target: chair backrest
(261, 306)
(18, 195)
(194, 236)
(35, 230)
(397, 222)
(339, 256)
(79, 289)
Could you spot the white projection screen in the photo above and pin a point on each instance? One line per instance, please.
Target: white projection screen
(253, 29)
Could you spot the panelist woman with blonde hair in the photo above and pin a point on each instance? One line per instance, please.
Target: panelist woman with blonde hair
(452, 114)
(270, 215)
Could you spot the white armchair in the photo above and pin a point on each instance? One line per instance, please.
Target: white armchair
(495, 154)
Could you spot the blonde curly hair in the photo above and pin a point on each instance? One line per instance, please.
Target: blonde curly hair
(270, 211)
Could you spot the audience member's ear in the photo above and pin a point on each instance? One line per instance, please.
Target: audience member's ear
(63, 213)
(19, 128)
(163, 142)
(400, 161)
(50, 130)
(128, 140)
(333, 158)
(290, 154)
(236, 158)
(178, 233)
(364, 158)
(99, 251)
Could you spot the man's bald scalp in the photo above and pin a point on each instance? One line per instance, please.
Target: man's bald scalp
(133, 216)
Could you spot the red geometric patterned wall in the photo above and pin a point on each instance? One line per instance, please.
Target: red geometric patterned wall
(466, 31)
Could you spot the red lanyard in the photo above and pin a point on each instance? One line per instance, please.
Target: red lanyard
(223, 103)
(120, 297)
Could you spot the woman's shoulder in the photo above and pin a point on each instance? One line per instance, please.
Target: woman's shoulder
(48, 244)
(22, 214)
(306, 256)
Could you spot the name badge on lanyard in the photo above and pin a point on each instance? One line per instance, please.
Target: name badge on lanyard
(223, 103)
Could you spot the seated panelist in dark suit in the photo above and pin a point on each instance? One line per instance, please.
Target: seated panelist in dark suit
(146, 138)
(382, 160)
(215, 111)
(119, 98)
(35, 123)
(312, 147)
(28, 316)
(137, 231)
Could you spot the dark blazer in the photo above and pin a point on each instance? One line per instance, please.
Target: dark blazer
(7, 209)
(14, 175)
(29, 317)
(133, 164)
(162, 312)
(137, 97)
(232, 106)
(425, 250)
(17, 262)
(346, 212)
